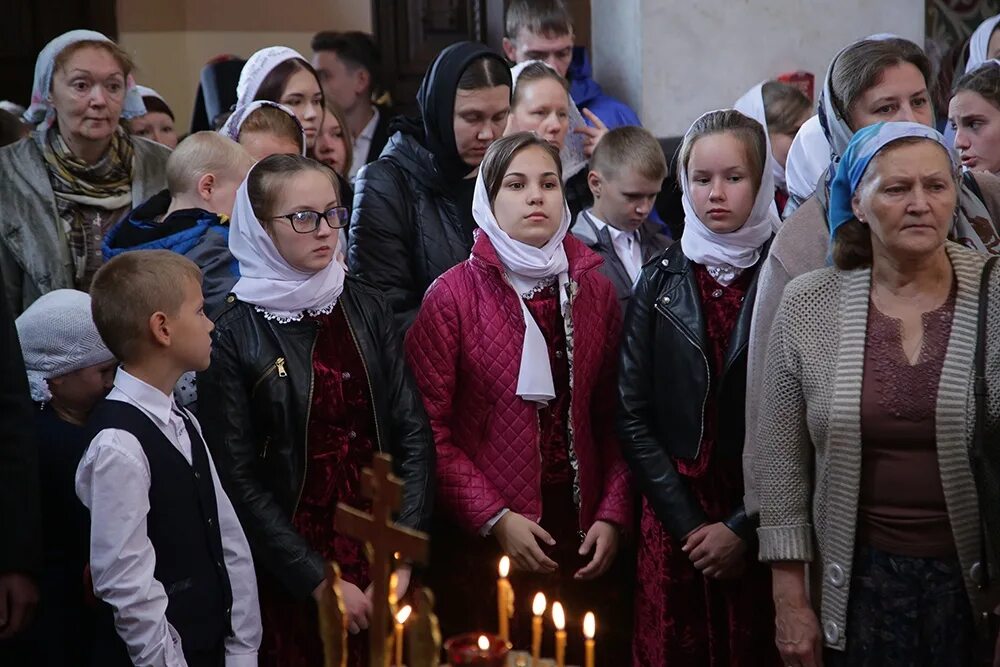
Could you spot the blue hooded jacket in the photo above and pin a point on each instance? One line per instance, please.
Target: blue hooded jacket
(199, 235)
(588, 94)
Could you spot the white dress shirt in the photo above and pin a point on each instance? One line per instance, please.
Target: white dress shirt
(362, 144)
(113, 481)
(626, 244)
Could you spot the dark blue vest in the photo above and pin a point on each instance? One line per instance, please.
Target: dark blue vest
(183, 526)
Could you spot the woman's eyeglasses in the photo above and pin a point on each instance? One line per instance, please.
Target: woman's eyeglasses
(307, 222)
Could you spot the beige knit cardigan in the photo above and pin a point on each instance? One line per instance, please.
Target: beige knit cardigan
(808, 459)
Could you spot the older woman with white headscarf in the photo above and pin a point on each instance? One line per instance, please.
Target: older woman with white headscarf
(79, 171)
(515, 352)
(866, 457)
(541, 103)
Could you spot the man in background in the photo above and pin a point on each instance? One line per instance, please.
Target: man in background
(543, 30)
(348, 65)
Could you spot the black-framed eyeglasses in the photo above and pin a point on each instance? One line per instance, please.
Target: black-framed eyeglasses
(307, 222)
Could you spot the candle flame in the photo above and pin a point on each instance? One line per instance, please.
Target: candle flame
(589, 625)
(538, 604)
(484, 643)
(403, 614)
(504, 567)
(558, 616)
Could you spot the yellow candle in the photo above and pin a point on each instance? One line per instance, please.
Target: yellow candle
(505, 599)
(401, 617)
(589, 630)
(559, 619)
(538, 609)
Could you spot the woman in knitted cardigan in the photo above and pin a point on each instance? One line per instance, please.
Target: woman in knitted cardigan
(866, 418)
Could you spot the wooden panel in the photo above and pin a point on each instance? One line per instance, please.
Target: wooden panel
(412, 32)
(28, 26)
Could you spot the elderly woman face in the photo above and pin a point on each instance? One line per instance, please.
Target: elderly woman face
(88, 93)
(907, 198)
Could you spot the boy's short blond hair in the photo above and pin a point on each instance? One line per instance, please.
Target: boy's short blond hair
(629, 147)
(130, 288)
(205, 153)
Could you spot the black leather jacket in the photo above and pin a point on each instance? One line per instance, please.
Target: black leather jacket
(664, 383)
(254, 405)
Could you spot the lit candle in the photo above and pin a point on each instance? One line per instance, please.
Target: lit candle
(559, 619)
(589, 630)
(505, 599)
(538, 609)
(401, 617)
(476, 650)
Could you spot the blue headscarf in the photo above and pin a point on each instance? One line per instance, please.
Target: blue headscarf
(863, 147)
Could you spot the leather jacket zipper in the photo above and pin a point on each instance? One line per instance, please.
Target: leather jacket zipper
(371, 392)
(708, 370)
(309, 403)
(278, 365)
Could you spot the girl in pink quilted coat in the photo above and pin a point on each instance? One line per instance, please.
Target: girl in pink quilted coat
(515, 353)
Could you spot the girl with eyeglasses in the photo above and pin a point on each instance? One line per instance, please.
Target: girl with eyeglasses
(307, 383)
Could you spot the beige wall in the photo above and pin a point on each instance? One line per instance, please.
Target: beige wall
(171, 40)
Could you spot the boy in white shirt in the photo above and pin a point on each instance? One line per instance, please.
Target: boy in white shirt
(626, 172)
(167, 553)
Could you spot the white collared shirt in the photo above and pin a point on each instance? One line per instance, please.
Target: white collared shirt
(626, 244)
(362, 144)
(113, 482)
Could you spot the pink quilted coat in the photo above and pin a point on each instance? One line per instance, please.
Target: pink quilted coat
(465, 351)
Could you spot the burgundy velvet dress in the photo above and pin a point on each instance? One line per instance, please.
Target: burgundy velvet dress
(682, 617)
(342, 439)
(464, 568)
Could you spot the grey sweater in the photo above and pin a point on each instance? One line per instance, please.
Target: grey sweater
(34, 252)
(800, 246)
(808, 459)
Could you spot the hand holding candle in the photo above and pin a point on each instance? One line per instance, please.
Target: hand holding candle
(589, 630)
(538, 609)
(559, 619)
(401, 617)
(505, 599)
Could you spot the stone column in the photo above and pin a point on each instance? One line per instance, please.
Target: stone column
(672, 60)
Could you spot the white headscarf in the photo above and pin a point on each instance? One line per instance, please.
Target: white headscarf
(979, 43)
(726, 255)
(808, 158)
(526, 267)
(571, 154)
(256, 70)
(41, 112)
(752, 105)
(146, 91)
(267, 281)
(231, 128)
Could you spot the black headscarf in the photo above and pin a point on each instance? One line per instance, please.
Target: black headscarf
(435, 128)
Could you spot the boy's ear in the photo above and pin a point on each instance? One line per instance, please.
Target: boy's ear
(594, 181)
(362, 79)
(205, 186)
(509, 49)
(159, 329)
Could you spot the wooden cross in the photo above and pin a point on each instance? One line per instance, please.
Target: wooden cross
(384, 541)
